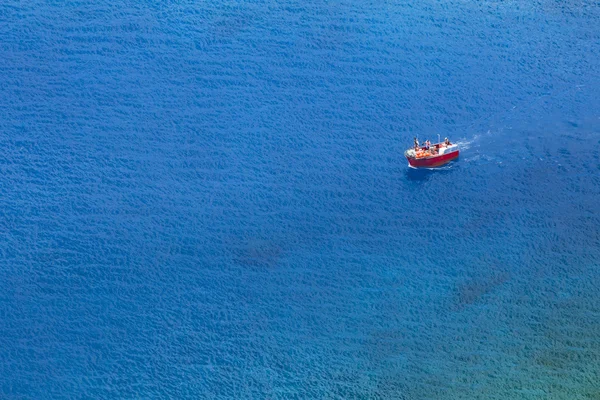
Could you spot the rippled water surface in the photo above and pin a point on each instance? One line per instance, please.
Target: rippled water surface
(209, 200)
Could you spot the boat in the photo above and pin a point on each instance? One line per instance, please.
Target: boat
(433, 155)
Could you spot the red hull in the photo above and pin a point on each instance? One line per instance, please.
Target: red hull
(431, 162)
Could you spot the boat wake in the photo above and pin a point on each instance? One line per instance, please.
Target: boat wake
(465, 143)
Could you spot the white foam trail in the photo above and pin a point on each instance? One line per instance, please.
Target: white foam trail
(442, 168)
(474, 158)
(465, 144)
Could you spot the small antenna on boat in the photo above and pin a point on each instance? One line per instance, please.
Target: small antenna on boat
(439, 138)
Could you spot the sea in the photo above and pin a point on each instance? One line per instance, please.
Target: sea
(209, 199)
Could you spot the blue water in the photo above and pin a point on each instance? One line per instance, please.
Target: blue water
(209, 200)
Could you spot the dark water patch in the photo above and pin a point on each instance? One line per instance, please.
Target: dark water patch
(564, 152)
(473, 290)
(558, 359)
(258, 253)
